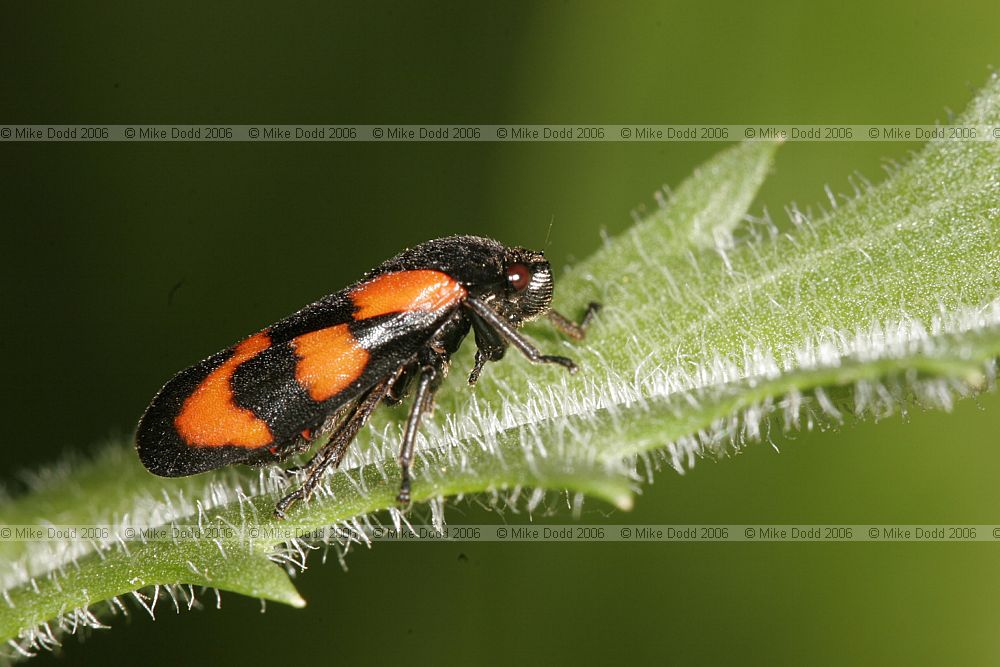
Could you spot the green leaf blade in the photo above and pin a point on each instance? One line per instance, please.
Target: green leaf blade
(709, 329)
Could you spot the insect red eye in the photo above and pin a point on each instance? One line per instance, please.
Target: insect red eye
(519, 276)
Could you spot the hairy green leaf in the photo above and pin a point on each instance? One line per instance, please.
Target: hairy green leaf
(712, 331)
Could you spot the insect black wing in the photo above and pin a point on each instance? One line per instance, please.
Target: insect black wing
(250, 402)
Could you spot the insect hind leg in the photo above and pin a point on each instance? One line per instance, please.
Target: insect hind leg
(332, 453)
(306, 440)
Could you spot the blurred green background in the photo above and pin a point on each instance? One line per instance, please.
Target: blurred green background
(123, 263)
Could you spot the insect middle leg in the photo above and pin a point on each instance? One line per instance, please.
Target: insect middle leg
(423, 402)
(489, 347)
(332, 453)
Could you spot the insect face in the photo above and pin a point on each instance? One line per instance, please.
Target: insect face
(527, 293)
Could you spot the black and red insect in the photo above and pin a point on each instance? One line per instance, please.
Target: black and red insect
(323, 370)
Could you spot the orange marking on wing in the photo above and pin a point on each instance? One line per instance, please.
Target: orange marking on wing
(330, 360)
(405, 291)
(211, 418)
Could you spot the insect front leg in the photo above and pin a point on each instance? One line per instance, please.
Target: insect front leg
(332, 453)
(575, 330)
(509, 332)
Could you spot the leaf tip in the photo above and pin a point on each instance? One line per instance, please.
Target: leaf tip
(625, 502)
(621, 498)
